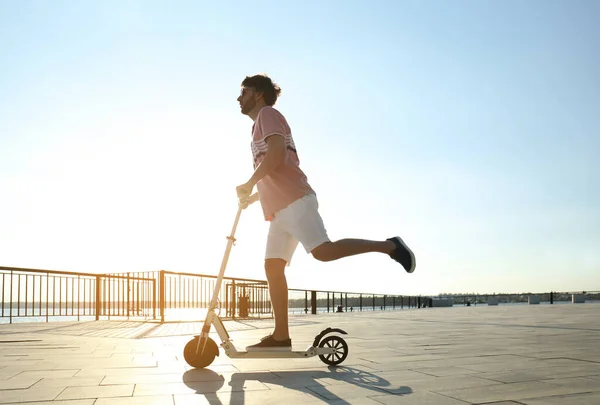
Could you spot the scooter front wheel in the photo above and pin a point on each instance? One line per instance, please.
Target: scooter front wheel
(341, 350)
(197, 358)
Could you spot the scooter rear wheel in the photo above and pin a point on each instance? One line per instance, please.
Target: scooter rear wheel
(200, 360)
(341, 350)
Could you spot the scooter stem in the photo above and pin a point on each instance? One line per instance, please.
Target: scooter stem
(230, 242)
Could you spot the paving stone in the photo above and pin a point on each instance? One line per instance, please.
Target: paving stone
(156, 378)
(99, 391)
(197, 387)
(418, 398)
(542, 373)
(17, 382)
(69, 402)
(277, 397)
(8, 372)
(347, 391)
(141, 400)
(513, 391)
(582, 399)
(39, 374)
(587, 384)
(68, 382)
(30, 395)
(506, 366)
(355, 401)
(129, 371)
(448, 383)
(503, 403)
(444, 371)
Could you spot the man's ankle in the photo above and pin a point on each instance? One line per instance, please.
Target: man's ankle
(280, 337)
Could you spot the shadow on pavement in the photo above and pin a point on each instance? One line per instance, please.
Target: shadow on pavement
(206, 382)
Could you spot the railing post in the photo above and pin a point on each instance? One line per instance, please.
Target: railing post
(128, 292)
(305, 302)
(154, 299)
(47, 293)
(360, 301)
(227, 306)
(98, 296)
(11, 297)
(234, 299)
(161, 295)
(313, 302)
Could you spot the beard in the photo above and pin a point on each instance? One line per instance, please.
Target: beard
(248, 106)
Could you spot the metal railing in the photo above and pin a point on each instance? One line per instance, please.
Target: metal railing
(169, 296)
(37, 294)
(553, 297)
(186, 296)
(336, 301)
(52, 294)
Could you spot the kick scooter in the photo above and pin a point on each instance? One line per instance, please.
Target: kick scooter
(201, 350)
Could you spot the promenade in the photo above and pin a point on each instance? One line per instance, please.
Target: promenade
(519, 354)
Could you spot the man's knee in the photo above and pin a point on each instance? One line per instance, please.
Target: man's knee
(324, 252)
(274, 267)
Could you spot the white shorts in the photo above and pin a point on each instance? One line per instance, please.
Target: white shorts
(298, 222)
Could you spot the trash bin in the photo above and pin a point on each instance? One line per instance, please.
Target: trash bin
(244, 306)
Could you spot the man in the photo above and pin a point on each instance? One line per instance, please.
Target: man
(290, 205)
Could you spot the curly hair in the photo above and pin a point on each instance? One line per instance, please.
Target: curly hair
(263, 84)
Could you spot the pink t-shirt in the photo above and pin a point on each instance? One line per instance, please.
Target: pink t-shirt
(287, 182)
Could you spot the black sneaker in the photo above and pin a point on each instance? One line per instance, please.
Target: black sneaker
(403, 255)
(269, 344)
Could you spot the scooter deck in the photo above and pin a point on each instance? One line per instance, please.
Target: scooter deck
(232, 352)
(271, 354)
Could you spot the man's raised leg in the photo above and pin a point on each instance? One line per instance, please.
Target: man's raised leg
(394, 247)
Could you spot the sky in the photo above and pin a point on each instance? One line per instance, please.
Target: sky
(471, 129)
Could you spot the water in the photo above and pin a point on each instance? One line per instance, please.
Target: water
(179, 314)
(198, 314)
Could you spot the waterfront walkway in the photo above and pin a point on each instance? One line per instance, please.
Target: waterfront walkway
(534, 355)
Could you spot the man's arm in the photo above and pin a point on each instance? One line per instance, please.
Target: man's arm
(274, 157)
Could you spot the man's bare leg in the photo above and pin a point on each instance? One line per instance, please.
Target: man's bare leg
(278, 289)
(329, 251)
